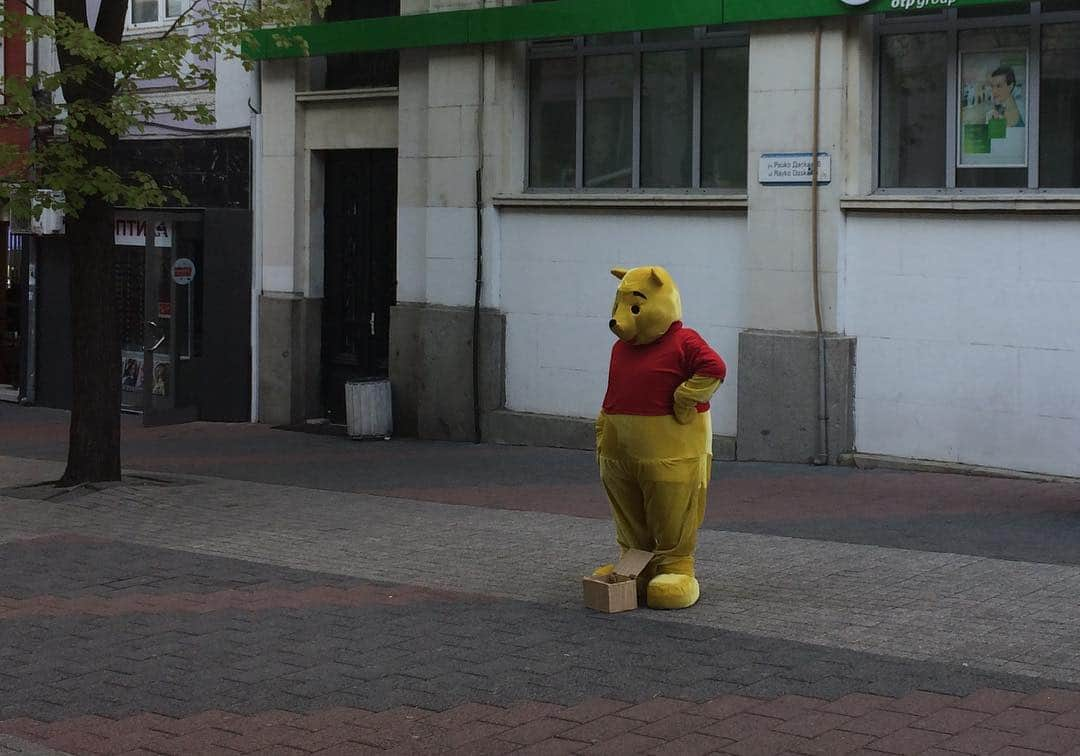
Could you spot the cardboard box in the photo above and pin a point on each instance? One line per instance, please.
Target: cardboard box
(617, 591)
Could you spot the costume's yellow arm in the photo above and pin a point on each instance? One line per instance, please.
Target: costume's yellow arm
(696, 390)
(600, 420)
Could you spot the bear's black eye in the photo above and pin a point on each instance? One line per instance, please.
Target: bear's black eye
(635, 309)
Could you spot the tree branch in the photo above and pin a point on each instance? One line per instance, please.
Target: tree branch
(180, 18)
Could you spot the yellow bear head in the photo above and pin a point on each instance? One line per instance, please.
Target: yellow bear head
(647, 302)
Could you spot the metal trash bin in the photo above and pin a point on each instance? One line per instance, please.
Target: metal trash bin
(367, 409)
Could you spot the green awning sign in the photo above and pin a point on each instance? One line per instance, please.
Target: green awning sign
(555, 19)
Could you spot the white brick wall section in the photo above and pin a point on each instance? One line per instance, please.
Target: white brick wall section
(556, 290)
(967, 338)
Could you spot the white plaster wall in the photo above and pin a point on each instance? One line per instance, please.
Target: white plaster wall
(779, 279)
(556, 291)
(234, 93)
(968, 345)
(439, 125)
(361, 124)
(278, 177)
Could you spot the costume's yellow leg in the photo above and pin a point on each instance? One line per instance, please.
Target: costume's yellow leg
(675, 510)
(627, 501)
(628, 511)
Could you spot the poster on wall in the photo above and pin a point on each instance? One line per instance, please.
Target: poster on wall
(133, 376)
(993, 109)
(131, 379)
(161, 377)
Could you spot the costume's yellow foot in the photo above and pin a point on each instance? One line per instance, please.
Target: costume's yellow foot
(604, 569)
(673, 592)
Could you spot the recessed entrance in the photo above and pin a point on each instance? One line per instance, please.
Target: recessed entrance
(360, 250)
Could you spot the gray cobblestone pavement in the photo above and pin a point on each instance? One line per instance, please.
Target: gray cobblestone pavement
(247, 590)
(1004, 617)
(1000, 518)
(191, 652)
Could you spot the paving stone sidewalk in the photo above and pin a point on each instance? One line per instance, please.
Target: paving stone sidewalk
(1007, 616)
(179, 614)
(200, 654)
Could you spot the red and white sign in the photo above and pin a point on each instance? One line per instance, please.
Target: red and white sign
(132, 233)
(183, 271)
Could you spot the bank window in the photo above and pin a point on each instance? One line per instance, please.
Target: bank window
(364, 69)
(980, 98)
(149, 12)
(654, 110)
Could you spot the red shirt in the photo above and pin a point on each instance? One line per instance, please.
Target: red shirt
(642, 379)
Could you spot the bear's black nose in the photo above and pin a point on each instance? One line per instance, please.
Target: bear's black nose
(611, 323)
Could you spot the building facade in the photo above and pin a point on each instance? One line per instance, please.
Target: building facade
(14, 259)
(914, 297)
(183, 273)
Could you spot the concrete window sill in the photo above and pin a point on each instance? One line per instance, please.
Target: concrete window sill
(973, 203)
(570, 201)
(340, 95)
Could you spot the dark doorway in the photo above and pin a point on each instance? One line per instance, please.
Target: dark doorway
(12, 298)
(360, 255)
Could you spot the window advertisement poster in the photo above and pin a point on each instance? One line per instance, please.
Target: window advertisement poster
(161, 376)
(993, 109)
(132, 377)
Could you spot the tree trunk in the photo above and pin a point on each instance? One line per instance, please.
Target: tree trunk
(94, 439)
(94, 436)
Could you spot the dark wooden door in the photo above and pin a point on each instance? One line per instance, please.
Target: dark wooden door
(360, 274)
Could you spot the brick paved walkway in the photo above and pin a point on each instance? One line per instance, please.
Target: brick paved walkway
(991, 517)
(122, 648)
(194, 615)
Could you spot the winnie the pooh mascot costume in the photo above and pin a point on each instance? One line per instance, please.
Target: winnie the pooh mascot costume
(654, 434)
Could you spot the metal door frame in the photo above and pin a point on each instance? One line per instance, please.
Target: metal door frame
(171, 414)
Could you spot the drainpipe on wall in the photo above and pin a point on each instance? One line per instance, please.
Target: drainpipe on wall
(255, 194)
(821, 455)
(479, 253)
(256, 234)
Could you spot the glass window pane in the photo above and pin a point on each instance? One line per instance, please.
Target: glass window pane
(609, 120)
(144, 11)
(911, 140)
(724, 104)
(174, 8)
(992, 135)
(553, 122)
(1000, 9)
(668, 35)
(361, 70)
(1054, 6)
(907, 15)
(667, 111)
(615, 38)
(1059, 106)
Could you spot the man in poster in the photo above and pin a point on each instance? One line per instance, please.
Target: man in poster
(1002, 88)
(992, 117)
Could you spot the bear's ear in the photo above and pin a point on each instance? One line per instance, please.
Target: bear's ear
(655, 277)
(618, 272)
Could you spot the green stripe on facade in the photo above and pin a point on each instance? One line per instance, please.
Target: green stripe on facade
(571, 18)
(559, 18)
